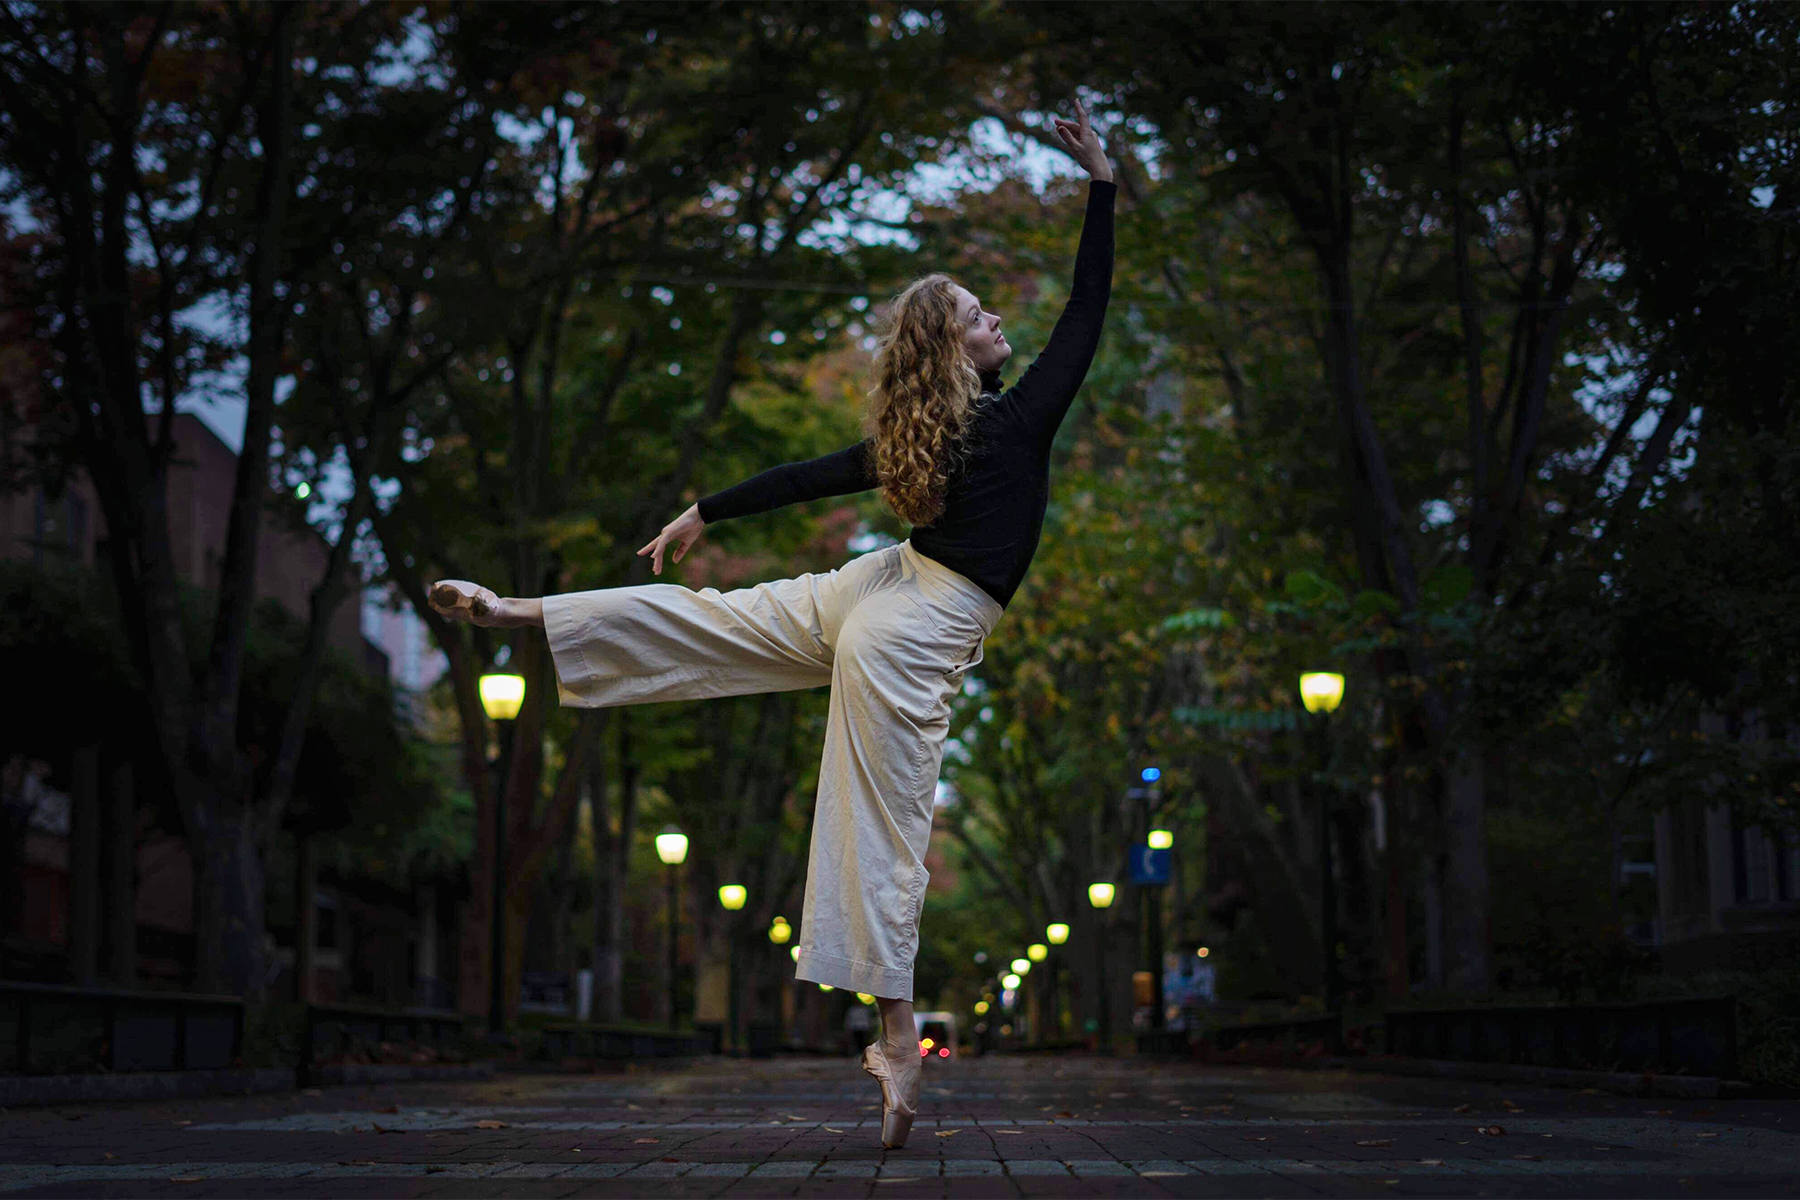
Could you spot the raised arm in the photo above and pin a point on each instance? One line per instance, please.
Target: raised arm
(1048, 387)
(838, 474)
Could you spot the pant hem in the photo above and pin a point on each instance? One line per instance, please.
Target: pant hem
(854, 975)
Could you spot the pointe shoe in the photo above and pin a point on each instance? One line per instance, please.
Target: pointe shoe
(464, 601)
(899, 1092)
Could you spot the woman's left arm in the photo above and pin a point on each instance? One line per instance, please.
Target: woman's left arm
(1050, 384)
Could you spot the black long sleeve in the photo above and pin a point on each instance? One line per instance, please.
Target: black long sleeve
(994, 510)
(1049, 386)
(836, 474)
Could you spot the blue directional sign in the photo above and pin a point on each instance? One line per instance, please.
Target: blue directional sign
(1149, 866)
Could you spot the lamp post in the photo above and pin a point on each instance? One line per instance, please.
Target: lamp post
(732, 897)
(1321, 691)
(779, 932)
(1056, 933)
(502, 695)
(671, 847)
(1100, 895)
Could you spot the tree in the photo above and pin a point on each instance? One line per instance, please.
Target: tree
(187, 170)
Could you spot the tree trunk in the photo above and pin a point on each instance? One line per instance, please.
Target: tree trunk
(229, 956)
(1465, 883)
(612, 851)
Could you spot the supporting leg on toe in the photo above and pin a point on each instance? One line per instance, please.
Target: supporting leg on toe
(894, 1060)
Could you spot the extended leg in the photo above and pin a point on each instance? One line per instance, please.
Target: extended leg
(461, 600)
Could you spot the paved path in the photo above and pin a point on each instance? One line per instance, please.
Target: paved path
(1048, 1127)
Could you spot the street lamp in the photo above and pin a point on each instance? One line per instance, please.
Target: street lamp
(1161, 839)
(732, 897)
(501, 697)
(671, 847)
(779, 930)
(1037, 952)
(1021, 966)
(1320, 692)
(1100, 895)
(1056, 933)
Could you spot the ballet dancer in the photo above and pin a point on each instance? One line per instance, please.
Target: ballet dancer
(966, 462)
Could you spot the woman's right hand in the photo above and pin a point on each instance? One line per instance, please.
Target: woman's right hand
(680, 533)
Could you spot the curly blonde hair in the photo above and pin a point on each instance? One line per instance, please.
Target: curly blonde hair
(925, 390)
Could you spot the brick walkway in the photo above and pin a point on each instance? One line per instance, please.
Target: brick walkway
(988, 1127)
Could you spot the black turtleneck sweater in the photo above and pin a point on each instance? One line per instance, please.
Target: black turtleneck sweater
(994, 507)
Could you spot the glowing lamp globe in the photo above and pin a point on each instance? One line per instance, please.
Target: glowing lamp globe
(794, 953)
(1151, 774)
(865, 997)
(780, 931)
(1202, 952)
(1021, 966)
(502, 695)
(1010, 982)
(981, 1006)
(1057, 933)
(823, 987)
(1161, 839)
(1037, 952)
(733, 895)
(671, 846)
(1100, 895)
(1320, 691)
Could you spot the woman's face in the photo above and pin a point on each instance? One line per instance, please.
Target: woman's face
(987, 346)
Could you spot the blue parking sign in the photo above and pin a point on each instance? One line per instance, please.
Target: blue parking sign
(1149, 866)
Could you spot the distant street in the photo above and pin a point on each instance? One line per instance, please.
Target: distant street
(989, 1127)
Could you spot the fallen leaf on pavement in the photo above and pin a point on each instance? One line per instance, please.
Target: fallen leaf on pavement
(792, 1117)
(1462, 1108)
(1431, 1162)
(1377, 1142)
(490, 1123)
(574, 1149)
(829, 1129)
(1491, 1130)
(186, 1178)
(1256, 1139)
(646, 1141)
(1012, 1131)
(948, 1132)
(1530, 1157)
(110, 1154)
(668, 1158)
(1701, 1135)
(392, 1108)
(1065, 1113)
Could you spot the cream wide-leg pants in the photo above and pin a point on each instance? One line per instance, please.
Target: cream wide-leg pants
(893, 633)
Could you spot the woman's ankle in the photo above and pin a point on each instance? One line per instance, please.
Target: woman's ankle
(518, 614)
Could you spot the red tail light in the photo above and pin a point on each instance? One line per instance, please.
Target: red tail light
(944, 1052)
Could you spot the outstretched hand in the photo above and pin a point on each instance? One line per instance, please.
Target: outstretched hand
(1082, 143)
(680, 533)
